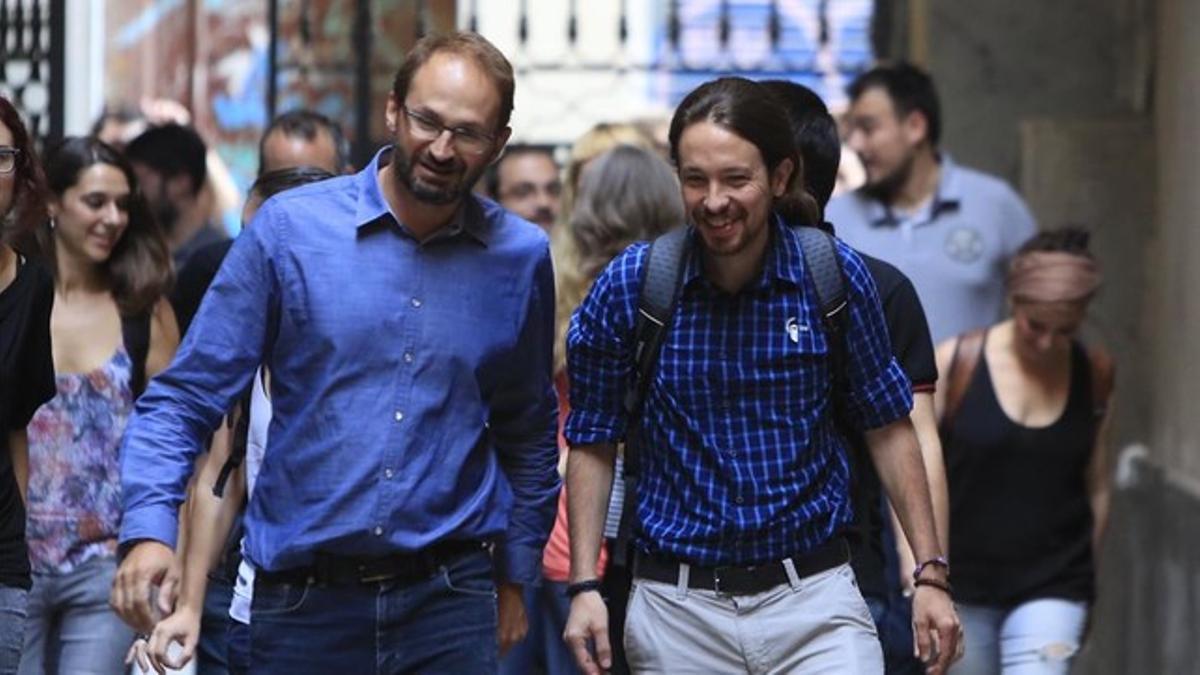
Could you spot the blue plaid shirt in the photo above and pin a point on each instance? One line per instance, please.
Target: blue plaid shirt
(741, 463)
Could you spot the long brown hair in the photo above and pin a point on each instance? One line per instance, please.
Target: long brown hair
(749, 110)
(29, 189)
(139, 270)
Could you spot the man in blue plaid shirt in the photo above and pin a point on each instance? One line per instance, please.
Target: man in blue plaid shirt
(743, 493)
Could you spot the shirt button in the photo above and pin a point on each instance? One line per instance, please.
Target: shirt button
(416, 302)
(378, 531)
(399, 416)
(740, 500)
(408, 357)
(388, 473)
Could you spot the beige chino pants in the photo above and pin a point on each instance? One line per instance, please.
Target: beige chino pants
(816, 624)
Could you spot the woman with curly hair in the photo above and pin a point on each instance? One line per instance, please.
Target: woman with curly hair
(26, 369)
(624, 195)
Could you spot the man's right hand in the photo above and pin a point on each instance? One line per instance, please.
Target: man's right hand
(588, 622)
(145, 566)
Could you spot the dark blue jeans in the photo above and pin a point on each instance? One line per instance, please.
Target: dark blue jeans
(443, 624)
(543, 649)
(212, 652)
(238, 639)
(893, 622)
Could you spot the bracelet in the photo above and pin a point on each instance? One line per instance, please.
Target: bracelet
(940, 561)
(934, 583)
(583, 587)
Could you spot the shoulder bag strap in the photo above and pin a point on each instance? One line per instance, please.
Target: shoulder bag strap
(968, 348)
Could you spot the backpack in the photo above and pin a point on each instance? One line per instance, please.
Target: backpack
(662, 277)
(968, 350)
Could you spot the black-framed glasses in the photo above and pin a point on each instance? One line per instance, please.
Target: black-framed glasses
(8, 158)
(426, 128)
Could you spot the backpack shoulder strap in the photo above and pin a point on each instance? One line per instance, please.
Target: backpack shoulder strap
(135, 334)
(239, 423)
(825, 270)
(968, 348)
(1103, 377)
(661, 277)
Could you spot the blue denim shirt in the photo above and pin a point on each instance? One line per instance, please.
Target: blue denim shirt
(411, 383)
(741, 462)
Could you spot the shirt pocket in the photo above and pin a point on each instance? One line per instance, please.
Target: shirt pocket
(792, 372)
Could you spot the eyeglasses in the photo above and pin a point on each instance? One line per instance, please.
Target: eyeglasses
(426, 128)
(8, 158)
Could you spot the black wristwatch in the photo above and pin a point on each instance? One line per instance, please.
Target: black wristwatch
(582, 587)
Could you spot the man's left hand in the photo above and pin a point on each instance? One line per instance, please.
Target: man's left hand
(936, 629)
(510, 611)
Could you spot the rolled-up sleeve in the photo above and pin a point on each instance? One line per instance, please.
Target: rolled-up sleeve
(181, 406)
(879, 392)
(598, 352)
(524, 422)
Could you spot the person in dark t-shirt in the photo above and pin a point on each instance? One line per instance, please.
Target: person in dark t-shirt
(880, 565)
(26, 368)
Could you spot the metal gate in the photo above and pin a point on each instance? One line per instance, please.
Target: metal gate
(32, 37)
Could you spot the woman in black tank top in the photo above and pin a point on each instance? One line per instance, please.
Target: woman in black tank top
(1022, 416)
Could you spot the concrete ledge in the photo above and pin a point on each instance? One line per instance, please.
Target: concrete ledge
(1147, 615)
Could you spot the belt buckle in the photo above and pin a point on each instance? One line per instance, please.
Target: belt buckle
(717, 579)
(365, 578)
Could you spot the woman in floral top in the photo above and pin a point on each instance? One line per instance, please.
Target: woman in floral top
(110, 263)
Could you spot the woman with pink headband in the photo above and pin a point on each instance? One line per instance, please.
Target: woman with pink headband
(1022, 418)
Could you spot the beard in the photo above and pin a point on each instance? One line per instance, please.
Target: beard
(459, 179)
(720, 246)
(886, 187)
(543, 217)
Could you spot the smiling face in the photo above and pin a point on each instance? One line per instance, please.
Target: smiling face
(92, 214)
(452, 91)
(727, 189)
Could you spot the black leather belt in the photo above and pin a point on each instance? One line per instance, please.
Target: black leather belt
(335, 570)
(743, 580)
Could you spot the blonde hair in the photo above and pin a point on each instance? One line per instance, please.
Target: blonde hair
(629, 194)
(595, 142)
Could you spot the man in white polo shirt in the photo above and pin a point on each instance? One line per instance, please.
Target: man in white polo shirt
(949, 228)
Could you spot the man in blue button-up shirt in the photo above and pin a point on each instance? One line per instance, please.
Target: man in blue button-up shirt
(407, 326)
(743, 491)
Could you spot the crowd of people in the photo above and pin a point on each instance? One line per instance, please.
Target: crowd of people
(671, 407)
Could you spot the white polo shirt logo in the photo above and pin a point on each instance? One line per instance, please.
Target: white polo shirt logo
(964, 244)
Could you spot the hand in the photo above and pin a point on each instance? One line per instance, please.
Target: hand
(936, 629)
(160, 111)
(510, 611)
(137, 651)
(183, 627)
(168, 591)
(588, 621)
(145, 566)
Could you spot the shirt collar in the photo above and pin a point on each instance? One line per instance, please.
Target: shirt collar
(471, 216)
(782, 261)
(946, 197)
